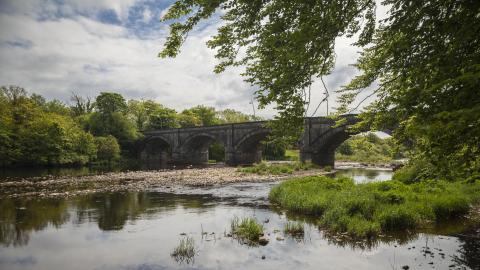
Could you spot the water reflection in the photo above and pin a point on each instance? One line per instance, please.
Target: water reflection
(361, 175)
(97, 230)
(18, 218)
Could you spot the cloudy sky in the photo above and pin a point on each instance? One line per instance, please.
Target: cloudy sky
(56, 47)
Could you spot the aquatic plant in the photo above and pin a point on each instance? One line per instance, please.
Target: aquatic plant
(185, 251)
(293, 228)
(365, 210)
(246, 229)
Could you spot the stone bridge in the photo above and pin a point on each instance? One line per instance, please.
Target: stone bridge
(242, 142)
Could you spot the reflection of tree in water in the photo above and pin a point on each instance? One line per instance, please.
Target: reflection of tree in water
(18, 218)
(113, 210)
(469, 252)
(343, 240)
(371, 174)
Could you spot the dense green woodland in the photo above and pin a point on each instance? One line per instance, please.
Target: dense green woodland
(34, 131)
(420, 66)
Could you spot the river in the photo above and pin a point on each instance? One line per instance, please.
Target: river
(139, 230)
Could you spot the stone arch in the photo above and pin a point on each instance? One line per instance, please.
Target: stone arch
(195, 148)
(248, 149)
(156, 152)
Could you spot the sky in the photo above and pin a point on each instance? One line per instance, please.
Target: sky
(59, 47)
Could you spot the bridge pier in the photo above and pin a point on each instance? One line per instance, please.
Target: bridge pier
(323, 158)
(235, 158)
(190, 158)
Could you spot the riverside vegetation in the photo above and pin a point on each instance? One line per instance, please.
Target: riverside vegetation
(37, 132)
(367, 210)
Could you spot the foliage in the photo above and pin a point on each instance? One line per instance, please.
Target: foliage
(107, 103)
(292, 154)
(428, 73)
(188, 119)
(246, 229)
(36, 132)
(422, 61)
(283, 45)
(232, 116)
(263, 168)
(368, 148)
(206, 115)
(115, 124)
(365, 210)
(108, 148)
(216, 152)
(274, 151)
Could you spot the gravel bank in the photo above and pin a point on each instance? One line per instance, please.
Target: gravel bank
(133, 181)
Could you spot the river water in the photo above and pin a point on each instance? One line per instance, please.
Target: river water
(139, 230)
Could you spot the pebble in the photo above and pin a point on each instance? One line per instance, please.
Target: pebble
(133, 180)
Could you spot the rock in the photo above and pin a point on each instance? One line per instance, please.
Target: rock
(263, 241)
(266, 220)
(405, 267)
(183, 234)
(280, 238)
(263, 257)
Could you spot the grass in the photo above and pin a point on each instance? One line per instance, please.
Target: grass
(366, 210)
(292, 154)
(246, 229)
(185, 251)
(264, 168)
(294, 228)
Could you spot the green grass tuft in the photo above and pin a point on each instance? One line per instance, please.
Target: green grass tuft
(365, 210)
(185, 251)
(294, 228)
(246, 229)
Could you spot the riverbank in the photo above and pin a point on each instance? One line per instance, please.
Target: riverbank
(64, 186)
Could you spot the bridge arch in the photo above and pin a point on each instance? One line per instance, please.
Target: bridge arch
(195, 148)
(156, 152)
(249, 148)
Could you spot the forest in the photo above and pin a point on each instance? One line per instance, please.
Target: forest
(39, 132)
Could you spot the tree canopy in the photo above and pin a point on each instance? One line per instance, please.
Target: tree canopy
(422, 62)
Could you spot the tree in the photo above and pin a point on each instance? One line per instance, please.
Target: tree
(116, 124)
(283, 45)
(207, 115)
(422, 62)
(425, 58)
(233, 116)
(110, 118)
(108, 148)
(188, 119)
(107, 103)
(81, 105)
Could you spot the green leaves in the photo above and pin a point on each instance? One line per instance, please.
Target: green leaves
(282, 45)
